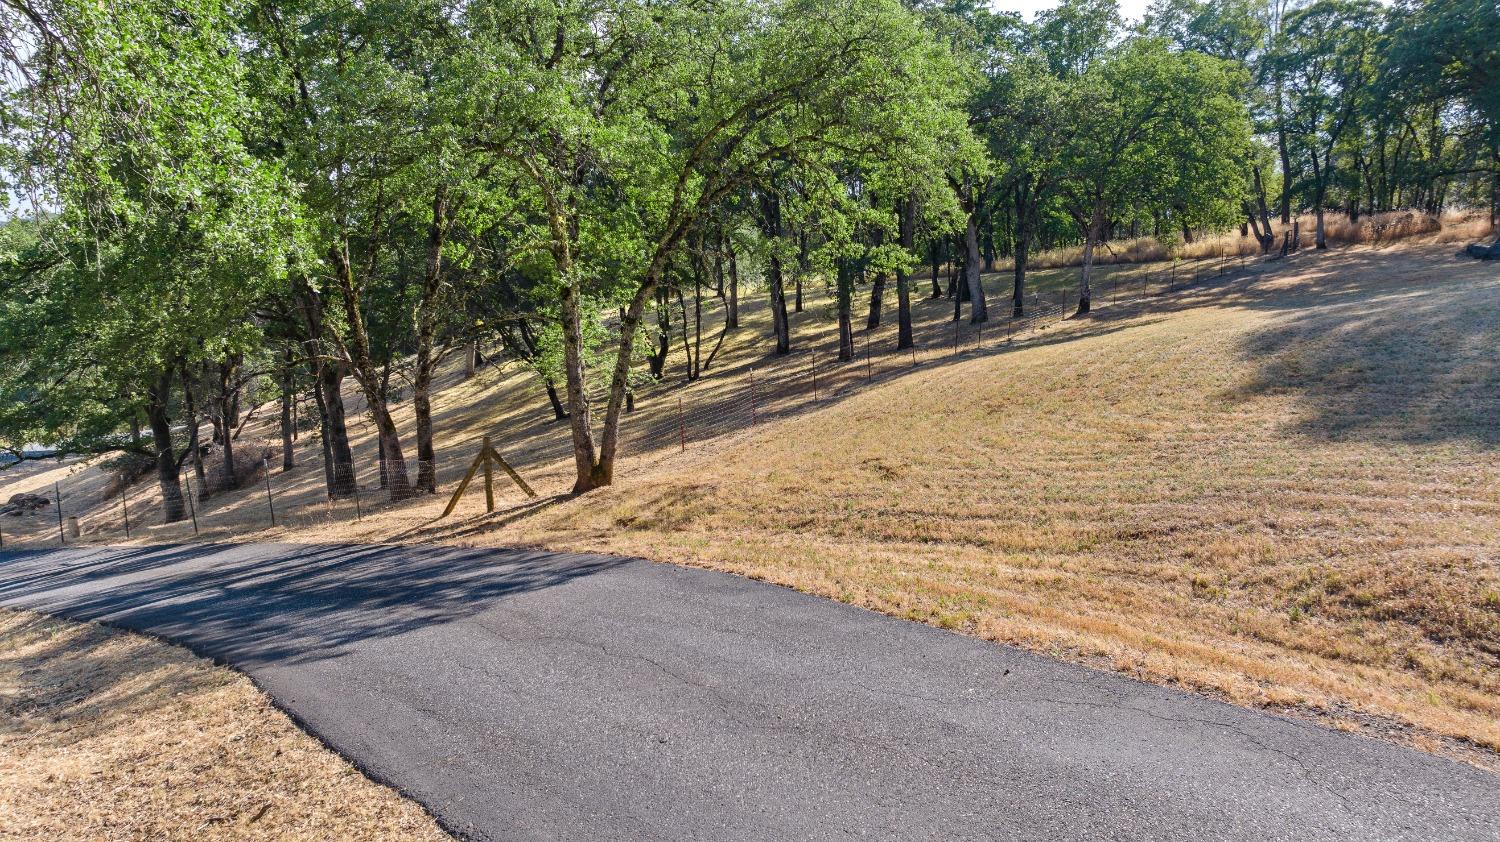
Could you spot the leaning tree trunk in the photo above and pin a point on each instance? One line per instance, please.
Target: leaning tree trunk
(166, 460)
(559, 412)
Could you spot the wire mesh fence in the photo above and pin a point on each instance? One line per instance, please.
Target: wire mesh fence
(261, 492)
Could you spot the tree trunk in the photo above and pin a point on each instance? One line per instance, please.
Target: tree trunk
(770, 219)
(166, 459)
(978, 311)
(580, 415)
(845, 291)
(877, 293)
(425, 317)
(228, 391)
(357, 348)
(953, 269)
(288, 395)
(656, 361)
(1320, 177)
(734, 285)
(559, 412)
(1267, 236)
(422, 404)
(1093, 232)
(1022, 250)
(906, 211)
(195, 447)
(937, 259)
(339, 458)
(804, 261)
(1286, 159)
(987, 241)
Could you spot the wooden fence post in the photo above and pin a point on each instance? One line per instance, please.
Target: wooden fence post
(489, 480)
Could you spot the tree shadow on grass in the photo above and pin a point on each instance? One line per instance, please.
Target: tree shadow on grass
(1372, 357)
(73, 682)
(258, 604)
(1384, 345)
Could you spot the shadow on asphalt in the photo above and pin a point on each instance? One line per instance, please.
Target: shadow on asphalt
(280, 603)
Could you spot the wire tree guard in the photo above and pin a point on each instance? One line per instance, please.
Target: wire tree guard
(486, 459)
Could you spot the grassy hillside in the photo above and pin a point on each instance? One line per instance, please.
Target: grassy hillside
(1283, 490)
(1278, 487)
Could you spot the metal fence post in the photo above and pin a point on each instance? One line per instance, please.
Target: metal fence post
(126, 510)
(869, 367)
(812, 361)
(57, 492)
(192, 507)
(270, 503)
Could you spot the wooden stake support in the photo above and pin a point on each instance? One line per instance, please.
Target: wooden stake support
(487, 457)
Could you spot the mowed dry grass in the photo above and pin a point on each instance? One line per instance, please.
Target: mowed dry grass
(111, 735)
(1283, 491)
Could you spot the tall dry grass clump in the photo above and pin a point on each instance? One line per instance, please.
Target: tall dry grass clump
(1451, 226)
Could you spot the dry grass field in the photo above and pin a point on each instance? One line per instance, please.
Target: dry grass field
(110, 735)
(1280, 487)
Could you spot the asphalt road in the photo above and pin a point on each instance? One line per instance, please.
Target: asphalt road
(527, 695)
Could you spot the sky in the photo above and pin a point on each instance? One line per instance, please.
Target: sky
(1129, 9)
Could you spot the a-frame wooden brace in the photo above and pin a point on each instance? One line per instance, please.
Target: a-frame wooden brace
(486, 458)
